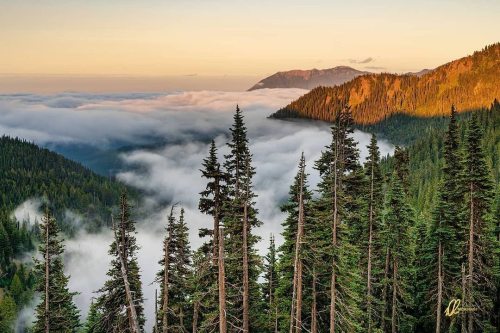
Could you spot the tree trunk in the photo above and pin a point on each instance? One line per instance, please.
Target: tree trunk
(440, 288)
(369, 268)
(464, 314)
(222, 284)
(394, 321)
(271, 295)
(275, 319)
(47, 273)
(181, 319)
(384, 289)
(196, 311)
(215, 244)
(314, 309)
(298, 316)
(155, 327)
(246, 285)
(246, 259)
(470, 260)
(131, 312)
(296, 313)
(333, 290)
(166, 264)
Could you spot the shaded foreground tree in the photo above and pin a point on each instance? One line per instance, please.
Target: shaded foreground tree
(56, 311)
(239, 218)
(121, 300)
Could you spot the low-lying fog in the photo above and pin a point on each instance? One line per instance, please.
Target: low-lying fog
(169, 172)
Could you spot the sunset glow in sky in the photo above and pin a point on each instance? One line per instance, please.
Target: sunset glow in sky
(237, 38)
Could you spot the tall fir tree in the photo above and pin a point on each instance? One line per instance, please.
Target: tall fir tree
(243, 264)
(445, 239)
(269, 287)
(175, 309)
(298, 265)
(211, 202)
(402, 166)
(371, 245)
(121, 299)
(214, 195)
(94, 317)
(397, 292)
(56, 312)
(480, 235)
(287, 250)
(204, 290)
(340, 182)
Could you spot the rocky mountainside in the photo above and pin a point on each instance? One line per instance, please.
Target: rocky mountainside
(309, 79)
(469, 83)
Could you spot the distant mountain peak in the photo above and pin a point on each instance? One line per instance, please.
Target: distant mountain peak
(469, 83)
(309, 79)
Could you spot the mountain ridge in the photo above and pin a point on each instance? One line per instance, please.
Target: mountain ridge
(308, 79)
(470, 83)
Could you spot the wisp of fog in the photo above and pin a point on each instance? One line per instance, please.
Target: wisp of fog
(176, 127)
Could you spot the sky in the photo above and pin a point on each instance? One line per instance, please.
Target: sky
(46, 45)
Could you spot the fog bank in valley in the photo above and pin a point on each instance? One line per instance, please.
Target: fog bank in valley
(177, 128)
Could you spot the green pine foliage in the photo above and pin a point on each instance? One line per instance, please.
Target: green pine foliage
(112, 301)
(94, 318)
(269, 288)
(480, 238)
(56, 311)
(286, 252)
(178, 266)
(397, 295)
(370, 236)
(445, 240)
(385, 245)
(8, 314)
(239, 169)
(339, 209)
(28, 171)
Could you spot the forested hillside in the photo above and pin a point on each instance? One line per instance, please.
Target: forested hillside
(426, 154)
(30, 172)
(469, 83)
(385, 245)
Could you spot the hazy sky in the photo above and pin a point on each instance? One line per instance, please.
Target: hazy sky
(236, 37)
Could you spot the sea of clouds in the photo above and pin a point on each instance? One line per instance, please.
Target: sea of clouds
(177, 127)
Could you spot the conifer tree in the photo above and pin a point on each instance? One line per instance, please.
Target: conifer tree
(211, 203)
(214, 195)
(372, 246)
(56, 311)
(204, 290)
(269, 288)
(175, 311)
(446, 234)
(481, 242)
(240, 217)
(402, 159)
(397, 283)
(8, 314)
(175, 308)
(339, 170)
(94, 317)
(285, 290)
(121, 300)
(297, 296)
